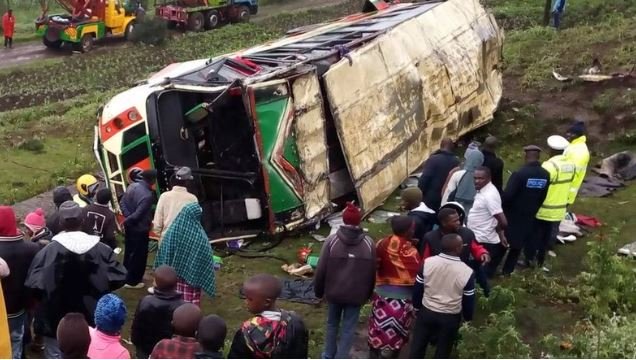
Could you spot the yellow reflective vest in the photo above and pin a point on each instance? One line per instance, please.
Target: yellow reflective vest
(562, 172)
(577, 153)
(5, 340)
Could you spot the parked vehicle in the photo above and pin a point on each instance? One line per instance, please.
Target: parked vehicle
(85, 22)
(278, 133)
(197, 15)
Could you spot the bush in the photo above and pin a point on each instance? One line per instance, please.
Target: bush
(609, 285)
(33, 145)
(613, 338)
(151, 31)
(498, 336)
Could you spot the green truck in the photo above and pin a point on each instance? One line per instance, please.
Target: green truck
(84, 23)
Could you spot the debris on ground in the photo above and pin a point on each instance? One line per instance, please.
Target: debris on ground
(593, 74)
(411, 181)
(628, 250)
(381, 216)
(335, 221)
(621, 165)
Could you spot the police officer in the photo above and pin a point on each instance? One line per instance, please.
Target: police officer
(579, 154)
(524, 194)
(554, 207)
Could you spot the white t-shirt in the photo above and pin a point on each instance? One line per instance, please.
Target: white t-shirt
(481, 218)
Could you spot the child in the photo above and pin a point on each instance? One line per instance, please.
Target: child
(211, 336)
(271, 333)
(110, 315)
(183, 345)
(152, 321)
(73, 336)
(37, 231)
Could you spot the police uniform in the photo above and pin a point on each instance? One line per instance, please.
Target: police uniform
(554, 207)
(524, 194)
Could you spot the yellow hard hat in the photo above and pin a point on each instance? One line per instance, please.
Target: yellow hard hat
(86, 185)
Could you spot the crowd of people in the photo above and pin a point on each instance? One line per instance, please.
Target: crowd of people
(459, 224)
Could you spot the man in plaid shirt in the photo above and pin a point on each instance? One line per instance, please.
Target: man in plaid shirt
(183, 345)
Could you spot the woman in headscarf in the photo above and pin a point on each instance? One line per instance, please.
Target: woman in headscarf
(460, 186)
(392, 308)
(185, 247)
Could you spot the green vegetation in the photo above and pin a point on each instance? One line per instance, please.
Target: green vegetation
(582, 308)
(57, 100)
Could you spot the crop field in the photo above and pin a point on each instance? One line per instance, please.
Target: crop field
(583, 308)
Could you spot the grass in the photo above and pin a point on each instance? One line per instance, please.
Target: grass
(57, 99)
(62, 120)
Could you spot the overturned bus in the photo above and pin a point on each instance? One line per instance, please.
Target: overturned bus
(277, 133)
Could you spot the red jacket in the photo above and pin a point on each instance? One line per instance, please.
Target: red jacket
(468, 237)
(475, 249)
(8, 24)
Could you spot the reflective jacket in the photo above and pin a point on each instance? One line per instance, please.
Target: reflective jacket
(577, 153)
(562, 171)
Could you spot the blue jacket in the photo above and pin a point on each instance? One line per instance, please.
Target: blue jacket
(558, 6)
(136, 205)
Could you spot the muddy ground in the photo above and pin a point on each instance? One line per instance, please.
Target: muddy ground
(25, 53)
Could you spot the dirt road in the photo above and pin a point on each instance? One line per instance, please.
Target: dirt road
(22, 54)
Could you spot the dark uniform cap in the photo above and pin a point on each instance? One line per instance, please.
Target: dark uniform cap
(532, 148)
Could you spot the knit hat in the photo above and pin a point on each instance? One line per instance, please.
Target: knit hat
(73, 336)
(184, 173)
(35, 221)
(70, 210)
(8, 227)
(60, 195)
(110, 314)
(103, 196)
(351, 215)
(577, 128)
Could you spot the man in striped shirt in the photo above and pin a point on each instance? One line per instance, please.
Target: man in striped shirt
(444, 292)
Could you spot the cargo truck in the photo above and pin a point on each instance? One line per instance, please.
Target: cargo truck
(197, 15)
